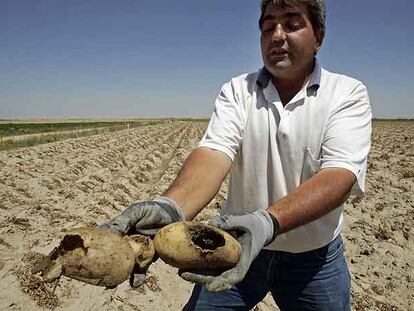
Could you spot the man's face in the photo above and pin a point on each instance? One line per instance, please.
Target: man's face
(288, 41)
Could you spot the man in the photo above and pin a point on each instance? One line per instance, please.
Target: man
(295, 138)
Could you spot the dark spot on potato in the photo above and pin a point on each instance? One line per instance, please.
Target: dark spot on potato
(206, 238)
(69, 243)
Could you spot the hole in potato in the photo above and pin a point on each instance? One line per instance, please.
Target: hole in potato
(206, 238)
(69, 243)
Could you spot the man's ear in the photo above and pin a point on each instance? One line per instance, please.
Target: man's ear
(320, 34)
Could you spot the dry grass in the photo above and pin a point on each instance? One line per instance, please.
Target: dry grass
(33, 285)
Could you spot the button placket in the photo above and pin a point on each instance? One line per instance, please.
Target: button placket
(283, 125)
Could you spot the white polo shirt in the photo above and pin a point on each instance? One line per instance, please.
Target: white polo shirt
(275, 148)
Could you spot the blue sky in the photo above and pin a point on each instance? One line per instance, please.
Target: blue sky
(131, 58)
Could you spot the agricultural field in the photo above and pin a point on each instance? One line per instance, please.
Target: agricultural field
(18, 133)
(49, 188)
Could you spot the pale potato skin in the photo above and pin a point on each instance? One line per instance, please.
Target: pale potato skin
(98, 257)
(144, 251)
(175, 246)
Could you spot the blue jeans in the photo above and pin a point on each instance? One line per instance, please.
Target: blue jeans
(314, 280)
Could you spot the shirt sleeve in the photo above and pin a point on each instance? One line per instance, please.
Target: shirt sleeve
(225, 130)
(347, 138)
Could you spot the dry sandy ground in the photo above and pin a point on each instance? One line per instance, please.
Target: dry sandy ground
(49, 188)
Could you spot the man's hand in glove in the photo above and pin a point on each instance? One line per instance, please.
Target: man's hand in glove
(255, 231)
(144, 218)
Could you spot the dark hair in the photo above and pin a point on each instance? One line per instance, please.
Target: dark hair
(316, 9)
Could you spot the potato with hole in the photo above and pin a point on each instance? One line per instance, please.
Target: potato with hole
(98, 257)
(197, 247)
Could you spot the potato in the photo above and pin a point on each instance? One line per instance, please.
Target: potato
(197, 247)
(99, 257)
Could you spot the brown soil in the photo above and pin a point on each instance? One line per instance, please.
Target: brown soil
(47, 189)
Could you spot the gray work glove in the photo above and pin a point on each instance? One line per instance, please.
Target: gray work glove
(144, 218)
(255, 231)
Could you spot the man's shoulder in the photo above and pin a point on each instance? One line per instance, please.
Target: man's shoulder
(341, 91)
(243, 82)
(338, 81)
(247, 77)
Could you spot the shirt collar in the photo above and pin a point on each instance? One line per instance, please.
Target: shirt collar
(315, 80)
(264, 77)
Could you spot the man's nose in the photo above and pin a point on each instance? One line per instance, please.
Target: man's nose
(279, 34)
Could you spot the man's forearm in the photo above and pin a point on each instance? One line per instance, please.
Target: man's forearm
(199, 180)
(313, 199)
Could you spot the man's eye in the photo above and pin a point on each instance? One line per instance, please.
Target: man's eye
(267, 29)
(293, 26)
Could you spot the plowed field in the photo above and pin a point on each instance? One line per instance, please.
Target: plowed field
(49, 188)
